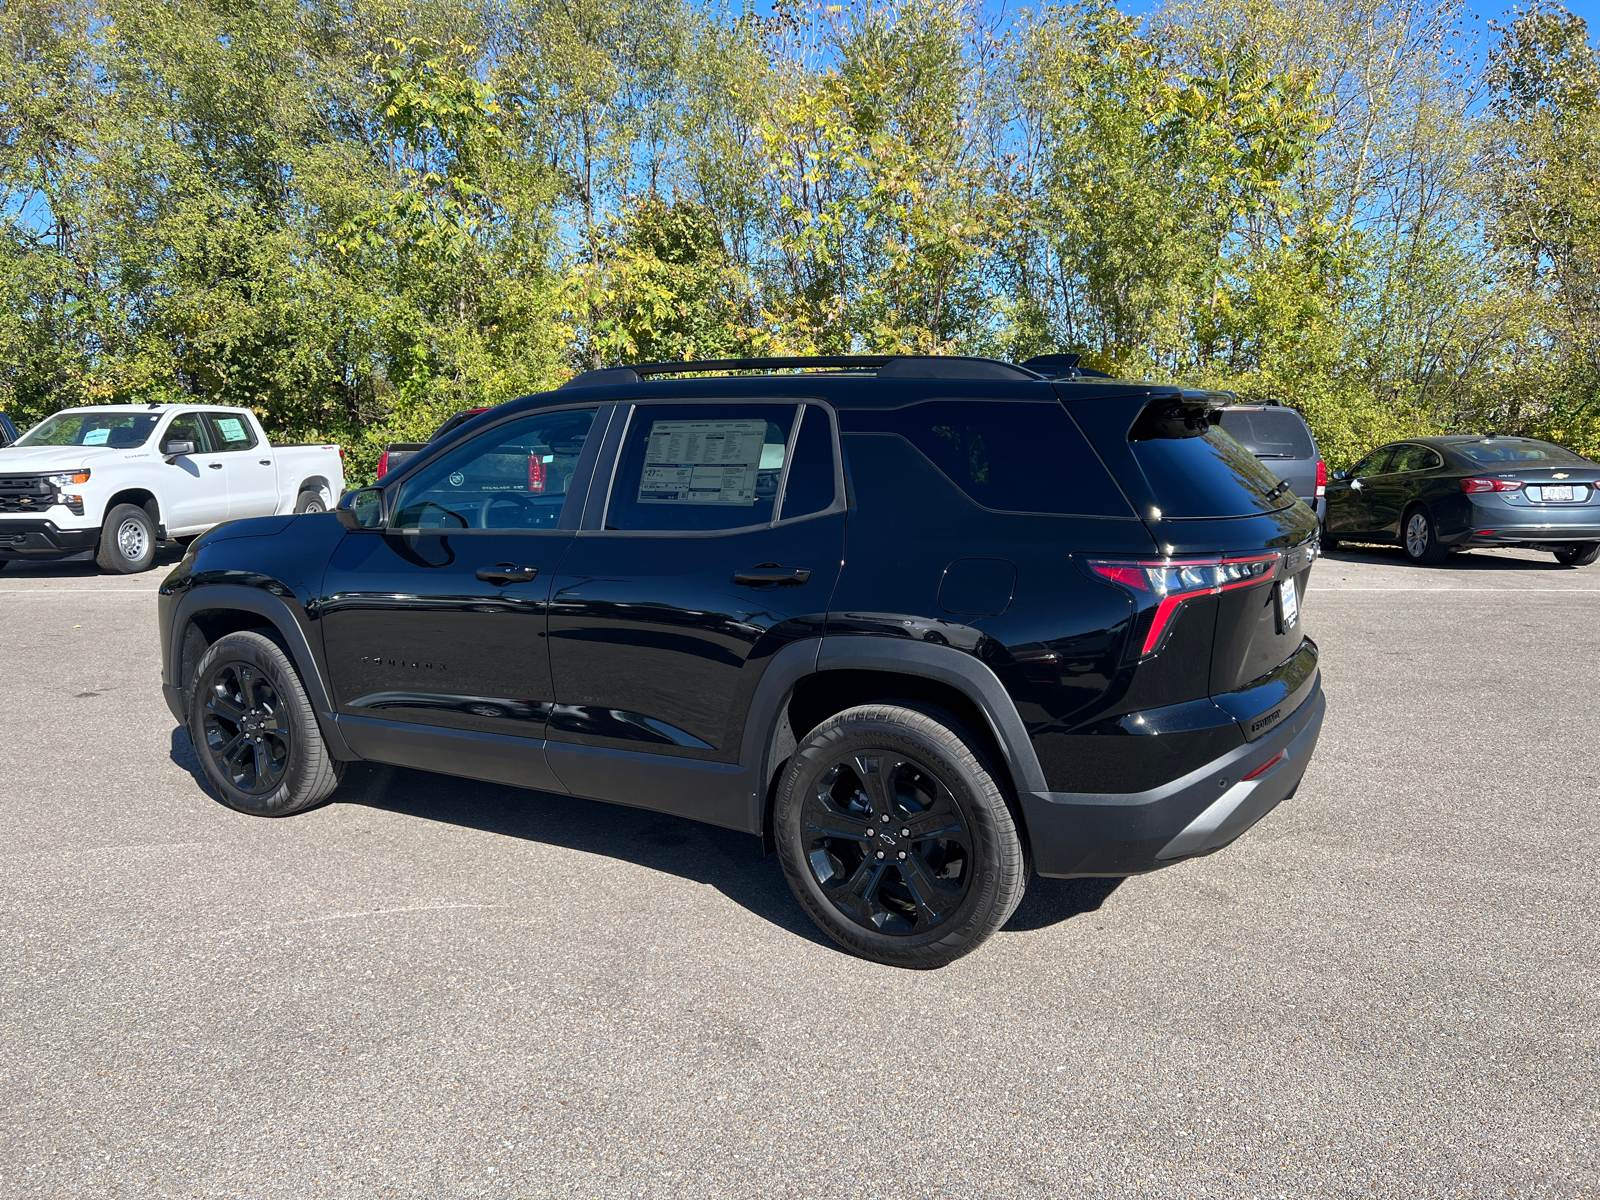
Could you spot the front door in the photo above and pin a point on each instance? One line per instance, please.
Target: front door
(1388, 494)
(720, 542)
(439, 618)
(1348, 511)
(194, 487)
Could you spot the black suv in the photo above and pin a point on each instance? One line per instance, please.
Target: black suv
(925, 625)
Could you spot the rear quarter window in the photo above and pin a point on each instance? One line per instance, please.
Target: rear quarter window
(1011, 456)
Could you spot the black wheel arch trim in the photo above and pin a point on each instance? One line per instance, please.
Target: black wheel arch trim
(276, 613)
(955, 668)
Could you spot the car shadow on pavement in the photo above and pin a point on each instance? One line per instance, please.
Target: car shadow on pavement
(729, 861)
(1464, 560)
(82, 566)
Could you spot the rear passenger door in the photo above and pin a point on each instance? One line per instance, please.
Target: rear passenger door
(252, 479)
(717, 543)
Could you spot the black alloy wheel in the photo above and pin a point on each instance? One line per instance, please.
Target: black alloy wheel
(886, 841)
(896, 837)
(245, 732)
(254, 731)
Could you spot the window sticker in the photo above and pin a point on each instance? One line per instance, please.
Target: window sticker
(232, 429)
(96, 437)
(703, 462)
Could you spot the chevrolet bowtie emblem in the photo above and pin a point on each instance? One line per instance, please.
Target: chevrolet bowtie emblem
(1560, 475)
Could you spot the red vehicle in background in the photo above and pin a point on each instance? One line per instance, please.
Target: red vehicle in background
(396, 453)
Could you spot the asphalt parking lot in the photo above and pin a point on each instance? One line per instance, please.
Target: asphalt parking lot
(430, 987)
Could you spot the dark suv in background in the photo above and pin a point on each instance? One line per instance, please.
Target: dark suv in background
(926, 625)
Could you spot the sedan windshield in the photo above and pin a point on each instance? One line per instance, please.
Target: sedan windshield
(1494, 451)
(117, 431)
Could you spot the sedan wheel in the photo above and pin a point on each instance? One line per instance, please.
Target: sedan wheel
(1421, 544)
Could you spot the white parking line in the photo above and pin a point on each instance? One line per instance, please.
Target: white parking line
(1444, 591)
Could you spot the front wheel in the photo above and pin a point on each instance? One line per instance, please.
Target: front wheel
(127, 541)
(896, 838)
(1580, 555)
(1422, 544)
(254, 732)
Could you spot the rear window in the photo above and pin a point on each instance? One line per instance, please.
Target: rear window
(1269, 433)
(1505, 450)
(1209, 475)
(1012, 456)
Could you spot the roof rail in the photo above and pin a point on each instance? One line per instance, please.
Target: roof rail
(883, 366)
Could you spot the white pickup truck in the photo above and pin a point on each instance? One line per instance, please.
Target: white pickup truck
(120, 478)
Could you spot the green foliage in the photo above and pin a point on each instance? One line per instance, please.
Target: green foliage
(359, 217)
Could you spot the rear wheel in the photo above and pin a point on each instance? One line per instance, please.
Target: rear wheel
(127, 541)
(1422, 545)
(1580, 555)
(254, 731)
(310, 501)
(896, 837)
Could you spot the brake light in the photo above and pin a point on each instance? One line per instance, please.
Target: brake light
(1162, 586)
(1491, 485)
(535, 473)
(1322, 479)
(383, 464)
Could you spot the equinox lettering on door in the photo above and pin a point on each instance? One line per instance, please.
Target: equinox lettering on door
(378, 660)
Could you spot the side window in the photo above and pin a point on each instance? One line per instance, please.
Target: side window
(229, 431)
(809, 486)
(1413, 458)
(1013, 456)
(1373, 464)
(188, 427)
(700, 466)
(514, 476)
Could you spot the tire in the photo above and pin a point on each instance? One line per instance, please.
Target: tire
(894, 898)
(1329, 542)
(127, 541)
(310, 501)
(254, 732)
(1418, 537)
(1580, 555)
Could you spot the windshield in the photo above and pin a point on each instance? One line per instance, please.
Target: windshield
(1515, 450)
(1269, 432)
(118, 431)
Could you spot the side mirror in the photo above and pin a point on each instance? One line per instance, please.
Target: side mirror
(1340, 474)
(361, 509)
(176, 448)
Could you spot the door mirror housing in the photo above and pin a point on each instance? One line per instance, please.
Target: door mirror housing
(1341, 474)
(176, 448)
(362, 509)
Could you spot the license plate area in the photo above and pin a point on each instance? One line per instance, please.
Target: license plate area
(1552, 494)
(1288, 604)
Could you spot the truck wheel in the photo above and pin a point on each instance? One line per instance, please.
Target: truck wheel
(254, 732)
(127, 541)
(1580, 555)
(896, 837)
(310, 501)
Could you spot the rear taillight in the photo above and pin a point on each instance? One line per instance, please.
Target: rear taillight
(1491, 485)
(535, 473)
(1322, 479)
(383, 464)
(1161, 586)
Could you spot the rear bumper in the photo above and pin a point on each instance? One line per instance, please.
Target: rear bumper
(1496, 522)
(1078, 833)
(43, 540)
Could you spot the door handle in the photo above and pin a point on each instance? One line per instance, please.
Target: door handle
(507, 573)
(265, 462)
(772, 573)
(215, 466)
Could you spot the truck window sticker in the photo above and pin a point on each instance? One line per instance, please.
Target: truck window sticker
(703, 462)
(96, 437)
(232, 429)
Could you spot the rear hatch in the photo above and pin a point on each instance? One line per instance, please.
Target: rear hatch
(1220, 608)
(1279, 438)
